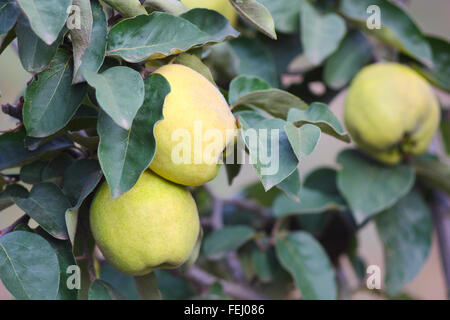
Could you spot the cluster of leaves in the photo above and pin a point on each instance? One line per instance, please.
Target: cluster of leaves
(89, 110)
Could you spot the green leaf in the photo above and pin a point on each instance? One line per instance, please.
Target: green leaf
(9, 11)
(265, 264)
(81, 37)
(147, 287)
(320, 115)
(54, 170)
(174, 7)
(318, 194)
(433, 172)
(160, 34)
(225, 240)
(276, 102)
(14, 152)
(123, 154)
(47, 17)
(80, 179)
(34, 54)
(303, 140)
(47, 205)
(256, 14)
(242, 85)
(11, 192)
(122, 283)
(406, 231)
(173, 288)
(304, 258)
(100, 290)
(397, 29)
(254, 59)
(320, 33)
(51, 100)
(445, 134)
(129, 8)
(270, 151)
(195, 63)
(370, 187)
(94, 54)
(6, 40)
(119, 91)
(285, 13)
(28, 266)
(32, 173)
(353, 53)
(291, 186)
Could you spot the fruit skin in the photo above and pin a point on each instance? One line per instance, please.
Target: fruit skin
(391, 112)
(193, 101)
(154, 225)
(222, 6)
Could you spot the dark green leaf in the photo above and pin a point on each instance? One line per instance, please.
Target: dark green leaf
(370, 187)
(256, 14)
(406, 231)
(320, 115)
(119, 91)
(433, 172)
(47, 17)
(307, 262)
(173, 288)
(51, 100)
(54, 170)
(123, 154)
(11, 192)
(160, 34)
(265, 264)
(445, 133)
(353, 53)
(397, 29)
(226, 240)
(320, 33)
(28, 266)
(9, 11)
(122, 283)
(6, 40)
(32, 173)
(242, 85)
(14, 152)
(285, 13)
(47, 205)
(100, 290)
(147, 287)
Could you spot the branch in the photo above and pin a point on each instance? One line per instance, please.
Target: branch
(234, 290)
(441, 217)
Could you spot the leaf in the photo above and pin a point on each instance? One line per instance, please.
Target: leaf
(291, 186)
(370, 187)
(265, 264)
(225, 240)
(353, 53)
(276, 102)
(47, 17)
(285, 13)
(174, 7)
(81, 37)
(304, 258)
(159, 34)
(406, 231)
(54, 170)
(320, 115)
(397, 28)
(123, 154)
(433, 172)
(6, 40)
(47, 205)
(445, 134)
(122, 283)
(147, 287)
(9, 11)
(80, 179)
(119, 91)
(320, 33)
(270, 151)
(129, 8)
(94, 54)
(319, 193)
(303, 140)
(172, 287)
(195, 63)
(28, 266)
(241, 85)
(34, 54)
(14, 152)
(32, 173)
(256, 14)
(51, 100)
(11, 191)
(254, 59)
(100, 290)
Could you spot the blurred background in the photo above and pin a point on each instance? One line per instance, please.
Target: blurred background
(431, 15)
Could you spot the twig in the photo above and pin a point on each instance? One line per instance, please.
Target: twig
(22, 219)
(234, 290)
(441, 217)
